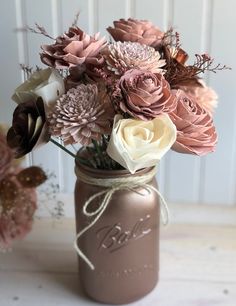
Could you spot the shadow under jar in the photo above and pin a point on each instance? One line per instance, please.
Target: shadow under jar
(123, 244)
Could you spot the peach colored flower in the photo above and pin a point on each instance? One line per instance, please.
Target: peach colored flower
(145, 95)
(196, 133)
(205, 96)
(141, 31)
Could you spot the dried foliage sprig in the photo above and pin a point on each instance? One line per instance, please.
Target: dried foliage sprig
(205, 63)
(39, 30)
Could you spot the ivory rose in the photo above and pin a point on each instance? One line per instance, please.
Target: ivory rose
(144, 95)
(46, 83)
(136, 144)
(196, 133)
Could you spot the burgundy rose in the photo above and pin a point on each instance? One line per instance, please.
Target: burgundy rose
(73, 49)
(196, 133)
(29, 128)
(145, 95)
(141, 31)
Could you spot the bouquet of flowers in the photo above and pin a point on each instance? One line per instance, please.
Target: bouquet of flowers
(127, 101)
(18, 199)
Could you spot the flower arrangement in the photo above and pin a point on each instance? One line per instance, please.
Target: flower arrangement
(18, 199)
(127, 101)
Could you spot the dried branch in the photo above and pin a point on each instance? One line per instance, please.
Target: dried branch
(39, 30)
(76, 19)
(171, 39)
(179, 74)
(205, 63)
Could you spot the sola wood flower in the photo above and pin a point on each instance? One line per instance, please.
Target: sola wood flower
(121, 57)
(205, 96)
(45, 83)
(6, 156)
(134, 30)
(17, 208)
(81, 115)
(145, 95)
(136, 144)
(72, 49)
(196, 133)
(29, 128)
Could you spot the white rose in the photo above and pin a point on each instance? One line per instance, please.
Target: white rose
(46, 83)
(136, 144)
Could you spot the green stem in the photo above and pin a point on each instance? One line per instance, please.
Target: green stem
(62, 147)
(69, 152)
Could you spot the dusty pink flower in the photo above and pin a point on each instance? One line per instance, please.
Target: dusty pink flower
(196, 133)
(141, 31)
(121, 57)
(6, 156)
(72, 49)
(145, 95)
(81, 115)
(205, 96)
(16, 214)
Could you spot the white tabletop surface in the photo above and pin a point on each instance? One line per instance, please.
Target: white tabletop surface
(198, 268)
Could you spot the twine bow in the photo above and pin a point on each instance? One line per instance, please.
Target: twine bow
(112, 185)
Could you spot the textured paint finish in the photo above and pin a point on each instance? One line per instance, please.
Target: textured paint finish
(203, 28)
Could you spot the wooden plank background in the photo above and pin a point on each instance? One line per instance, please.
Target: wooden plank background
(205, 26)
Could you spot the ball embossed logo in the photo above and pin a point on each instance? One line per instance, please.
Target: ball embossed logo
(116, 236)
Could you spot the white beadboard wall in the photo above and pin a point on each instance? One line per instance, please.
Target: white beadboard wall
(204, 25)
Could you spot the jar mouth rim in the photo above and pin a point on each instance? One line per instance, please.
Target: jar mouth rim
(106, 172)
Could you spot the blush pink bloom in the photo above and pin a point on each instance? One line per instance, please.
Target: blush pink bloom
(205, 96)
(16, 215)
(145, 95)
(72, 49)
(141, 31)
(6, 156)
(196, 133)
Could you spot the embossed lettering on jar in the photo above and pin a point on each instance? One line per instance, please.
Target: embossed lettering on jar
(123, 245)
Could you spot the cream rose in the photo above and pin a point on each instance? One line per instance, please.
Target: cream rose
(136, 144)
(46, 83)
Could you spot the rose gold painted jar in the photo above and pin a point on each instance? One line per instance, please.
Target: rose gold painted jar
(124, 243)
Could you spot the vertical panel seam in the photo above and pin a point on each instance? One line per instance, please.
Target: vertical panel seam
(56, 29)
(93, 16)
(206, 42)
(23, 47)
(130, 9)
(168, 12)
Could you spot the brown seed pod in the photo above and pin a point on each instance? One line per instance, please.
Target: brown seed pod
(31, 177)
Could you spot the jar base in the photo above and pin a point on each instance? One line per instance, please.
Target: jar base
(120, 300)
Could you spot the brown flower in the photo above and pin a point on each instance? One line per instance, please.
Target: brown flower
(205, 96)
(29, 128)
(120, 57)
(141, 31)
(145, 95)
(196, 133)
(72, 49)
(81, 115)
(6, 156)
